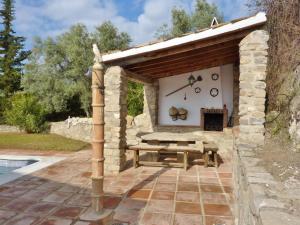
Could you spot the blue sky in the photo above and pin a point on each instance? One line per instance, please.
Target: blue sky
(140, 18)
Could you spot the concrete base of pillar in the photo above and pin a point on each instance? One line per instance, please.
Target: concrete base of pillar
(101, 218)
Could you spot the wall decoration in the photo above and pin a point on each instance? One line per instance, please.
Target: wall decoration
(191, 81)
(197, 90)
(214, 92)
(215, 76)
(176, 114)
(173, 112)
(182, 113)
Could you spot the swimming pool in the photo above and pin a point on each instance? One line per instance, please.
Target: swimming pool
(15, 166)
(8, 165)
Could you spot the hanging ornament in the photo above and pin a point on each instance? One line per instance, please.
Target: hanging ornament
(185, 96)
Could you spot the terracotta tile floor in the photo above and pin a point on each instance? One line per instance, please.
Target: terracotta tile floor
(59, 194)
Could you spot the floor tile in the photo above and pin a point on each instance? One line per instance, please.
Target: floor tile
(133, 204)
(188, 179)
(57, 197)
(144, 185)
(68, 212)
(187, 219)
(208, 174)
(188, 208)
(165, 187)
(188, 196)
(163, 195)
(211, 188)
(41, 209)
(23, 220)
(167, 179)
(142, 194)
(35, 194)
(13, 192)
(5, 214)
(111, 202)
(156, 218)
(226, 182)
(160, 206)
(128, 216)
(188, 187)
(56, 221)
(19, 204)
(4, 201)
(208, 180)
(217, 210)
(228, 189)
(225, 175)
(79, 200)
(214, 198)
(213, 220)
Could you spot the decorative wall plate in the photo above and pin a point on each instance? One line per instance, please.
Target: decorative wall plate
(197, 90)
(215, 76)
(214, 92)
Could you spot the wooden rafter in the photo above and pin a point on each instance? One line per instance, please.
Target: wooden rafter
(188, 61)
(185, 55)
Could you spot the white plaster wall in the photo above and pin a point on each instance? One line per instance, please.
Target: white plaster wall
(194, 102)
(227, 87)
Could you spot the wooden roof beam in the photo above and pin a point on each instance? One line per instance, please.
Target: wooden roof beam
(138, 78)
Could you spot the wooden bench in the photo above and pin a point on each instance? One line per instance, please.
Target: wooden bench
(167, 148)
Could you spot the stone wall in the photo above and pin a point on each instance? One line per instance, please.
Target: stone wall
(261, 200)
(75, 128)
(115, 119)
(9, 129)
(151, 92)
(257, 192)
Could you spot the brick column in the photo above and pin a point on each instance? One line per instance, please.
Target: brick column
(253, 66)
(115, 119)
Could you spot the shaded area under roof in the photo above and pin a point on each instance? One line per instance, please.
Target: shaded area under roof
(204, 49)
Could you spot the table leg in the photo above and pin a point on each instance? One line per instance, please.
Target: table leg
(206, 158)
(216, 159)
(136, 159)
(185, 160)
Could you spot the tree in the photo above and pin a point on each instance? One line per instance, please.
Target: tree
(56, 68)
(182, 22)
(11, 51)
(204, 14)
(109, 38)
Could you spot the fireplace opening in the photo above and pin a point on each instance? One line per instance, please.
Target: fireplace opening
(213, 122)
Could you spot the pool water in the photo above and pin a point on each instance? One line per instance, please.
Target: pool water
(8, 165)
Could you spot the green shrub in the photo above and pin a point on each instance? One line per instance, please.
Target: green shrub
(26, 113)
(4, 103)
(135, 98)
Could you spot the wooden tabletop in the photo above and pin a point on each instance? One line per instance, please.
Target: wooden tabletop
(167, 136)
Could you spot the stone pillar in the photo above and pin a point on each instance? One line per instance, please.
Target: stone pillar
(253, 66)
(151, 92)
(115, 119)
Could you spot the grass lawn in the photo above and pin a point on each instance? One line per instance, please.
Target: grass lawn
(50, 142)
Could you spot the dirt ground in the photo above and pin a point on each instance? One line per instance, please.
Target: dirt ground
(281, 160)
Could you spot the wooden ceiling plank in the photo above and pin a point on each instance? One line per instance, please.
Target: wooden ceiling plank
(196, 68)
(182, 68)
(187, 47)
(138, 77)
(194, 53)
(187, 62)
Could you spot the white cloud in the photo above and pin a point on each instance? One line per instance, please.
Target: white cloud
(52, 17)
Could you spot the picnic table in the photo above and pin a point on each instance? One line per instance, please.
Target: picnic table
(166, 142)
